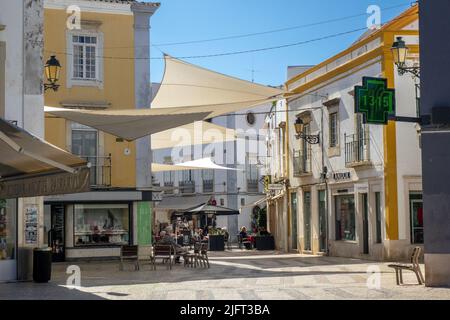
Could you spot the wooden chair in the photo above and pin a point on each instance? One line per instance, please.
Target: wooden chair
(414, 267)
(164, 252)
(204, 255)
(191, 259)
(129, 253)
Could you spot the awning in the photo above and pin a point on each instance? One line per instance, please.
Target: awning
(197, 133)
(130, 124)
(181, 203)
(32, 167)
(190, 86)
(201, 164)
(188, 93)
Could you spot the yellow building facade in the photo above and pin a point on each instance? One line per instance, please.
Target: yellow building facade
(103, 48)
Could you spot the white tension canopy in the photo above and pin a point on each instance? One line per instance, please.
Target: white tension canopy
(188, 93)
(196, 133)
(201, 164)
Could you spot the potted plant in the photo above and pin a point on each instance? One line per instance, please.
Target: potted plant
(264, 240)
(216, 239)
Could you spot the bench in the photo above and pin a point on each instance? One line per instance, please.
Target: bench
(164, 252)
(414, 267)
(129, 253)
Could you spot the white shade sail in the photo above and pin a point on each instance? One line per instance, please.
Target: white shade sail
(196, 133)
(188, 93)
(191, 86)
(129, 124)
(201, 164)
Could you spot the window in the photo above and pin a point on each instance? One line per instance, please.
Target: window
(378, 215)
(242, 201)
(222, 202)
(168, 176)
(345, 218)
(334, 130)
(251, 172)
(208, 181)
(251, 119)
(85, 145)
(85, 52)
(416, 207)
(101, 224)
(85, 57)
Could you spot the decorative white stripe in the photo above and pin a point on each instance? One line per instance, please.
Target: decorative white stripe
(90, 6)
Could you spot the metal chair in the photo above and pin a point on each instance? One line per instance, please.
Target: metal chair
(414, 267)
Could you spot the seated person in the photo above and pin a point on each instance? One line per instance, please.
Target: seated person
(226, 234)
(243, 233)
(167, 239)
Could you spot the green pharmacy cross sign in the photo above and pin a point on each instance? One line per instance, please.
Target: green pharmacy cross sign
(375, 101)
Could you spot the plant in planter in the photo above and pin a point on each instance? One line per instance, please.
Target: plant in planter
(216, 239)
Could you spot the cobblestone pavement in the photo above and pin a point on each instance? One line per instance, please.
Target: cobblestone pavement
(236, 275)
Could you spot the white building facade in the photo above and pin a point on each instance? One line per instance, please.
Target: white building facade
(21, 103)
(236, 189)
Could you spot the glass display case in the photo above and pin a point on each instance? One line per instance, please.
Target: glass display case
(101, 224)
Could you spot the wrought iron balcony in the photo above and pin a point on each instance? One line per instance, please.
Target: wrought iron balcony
(302, 162)
(357, 151)
(187, 187)
(208, 186)
(100, 171)
(252, 185)
(169, 185)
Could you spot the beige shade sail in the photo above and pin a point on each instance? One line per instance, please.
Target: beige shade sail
(187, 93)
(197, 133)
(201, 164)
(129, 124)
(191, 86)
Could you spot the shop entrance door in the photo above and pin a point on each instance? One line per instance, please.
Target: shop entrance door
(8, 240)
(56, 233)
(322, 222)
(294, 221)
(307, 220)
(365, 211)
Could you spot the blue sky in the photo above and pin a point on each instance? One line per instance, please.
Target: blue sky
(190, 20)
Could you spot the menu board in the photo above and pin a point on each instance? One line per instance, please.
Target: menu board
(31, 225)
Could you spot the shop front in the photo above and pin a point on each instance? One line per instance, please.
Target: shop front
(30, 169)
(8, 239)
(94, 225)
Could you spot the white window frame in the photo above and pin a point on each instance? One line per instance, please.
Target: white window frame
(98, 81)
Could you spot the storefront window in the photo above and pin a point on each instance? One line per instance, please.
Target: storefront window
(345, 218)
(99, 224)
(416, 204)
(7, 230)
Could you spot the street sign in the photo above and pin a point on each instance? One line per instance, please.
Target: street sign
(276, 187)
(375, 101)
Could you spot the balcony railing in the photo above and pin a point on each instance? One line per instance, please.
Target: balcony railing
(187, 187)
(302, 163)
(252, 185)
(169, 185)
(100, 171)
(208, 186)
(357, 150)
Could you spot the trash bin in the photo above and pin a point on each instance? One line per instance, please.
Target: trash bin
(42, 265)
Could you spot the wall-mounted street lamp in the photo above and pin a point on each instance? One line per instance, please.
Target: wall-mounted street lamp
(400, 53)
(299, 127)
(52, 71)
